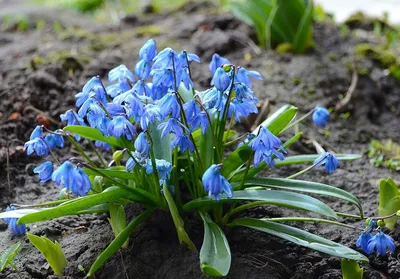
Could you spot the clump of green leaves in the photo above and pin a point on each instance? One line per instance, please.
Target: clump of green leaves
(389, 201)
(52, 252)
(278, 21)
(351, 269)
(7, 257)
(384, 154)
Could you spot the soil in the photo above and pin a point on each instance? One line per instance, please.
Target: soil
(43, 69)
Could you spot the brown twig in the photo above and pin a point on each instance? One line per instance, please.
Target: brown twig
(342, 104)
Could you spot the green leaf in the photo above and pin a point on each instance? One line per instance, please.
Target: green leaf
(279, 120)
(272, 197)
(178, 222)
(301, 237)
(79, 204)
(302, 186)
(303, 37)
(8, 255)
(117, 242)
(215, 254)
(299, 159)
(117, 219)
(351, 270)
(122, 174)
(19, 212)
(389, 201)
(52, 252)
(94, 134)
(161, 146)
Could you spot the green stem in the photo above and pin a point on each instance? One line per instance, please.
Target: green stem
(42, 204)
(236, 140)
(51, 152)
(81, 151)
(241, 208)
(176, 181)
(305, 219)
(103, 163)
(306, 169)
(349, 215)
(297, 121)
(246, 170)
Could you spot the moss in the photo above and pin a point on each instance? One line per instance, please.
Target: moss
(149, 30)
(363, 21)
(296, 80)
(385, 154)
(379, 54)
(332, 56)
(284, 48)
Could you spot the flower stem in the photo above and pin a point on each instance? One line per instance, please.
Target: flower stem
(81, 151)
(316, 220)
(98, 154)
(306, 169)
(297, 121)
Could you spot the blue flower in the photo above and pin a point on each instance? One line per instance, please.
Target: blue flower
(157, 92)
(72, 118)
(94, 87)
(191, 110)
(120, 74)
(183, 142)
(164, 76)
(242, 75)
(200, 120)
(102, 145)
(381, 242)
(119, 126)
(142, 69)
(142, 146)
(36, 133)
(320, 116)
(171, 126)
(163, 168)
(215, 184)
(247, 140)
(45, 171)
(213, 98)
(330, 161)
(362, 241)
(93, 112)
(242, 108)
(182, 62)
(243, 92)
(142, 88)
(150, 114)
(169, 104)
(266, 144)
(72, 178)
(12, 223)
(216, 62)
(148, 51)
(221, 80)
(164, 59)
(184, 77)
(115, 109)
(54, 140)
(132, 103)
(130, 164)
(36, 145)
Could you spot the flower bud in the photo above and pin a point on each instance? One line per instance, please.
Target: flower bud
(118, 156)
(381, 223)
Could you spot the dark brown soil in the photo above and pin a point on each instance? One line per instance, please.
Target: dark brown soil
(43, 69)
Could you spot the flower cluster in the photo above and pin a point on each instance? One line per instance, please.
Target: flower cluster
(379, 242)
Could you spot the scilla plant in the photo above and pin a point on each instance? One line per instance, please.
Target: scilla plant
(170, 151)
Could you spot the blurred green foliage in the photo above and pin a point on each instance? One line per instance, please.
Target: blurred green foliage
(278, 21)
(385, 154)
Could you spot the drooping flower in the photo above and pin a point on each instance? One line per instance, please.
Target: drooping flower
(163, 168)
(150, 114)
(329, 160)
(54, 140)
(183, 142)
(36, 145)
(148, 51)
(265, 145)
(36, 133)
(12, 223)
(212, 98)
(246, 140)
(163, 76)
(362, 241)
(119, 126)
(115, 109)
(171, 126)
(130, 164)
(242, 75)
(131, 103)
(142, 69)
(72, 178)
(142, 146)
(215, 184)
(164, 59)
(243, 92)
(72, 118)
(320, 116)
(381, 242)
(169, 104)
(242, 108)
(94, 87)
(120, 73)
(221, 80)
(93, 112)
(216, 62)
(45, 171)
(201, 120)
(142, 88)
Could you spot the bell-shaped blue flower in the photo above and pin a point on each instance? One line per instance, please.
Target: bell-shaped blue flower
(164, 59)
(150, 114)
(130, 164)
(169, 104)
(329, 160)
(142, 88)
(93, 111)
(242, 108)
(119, 126)
(381, 242)
(242, 75)
(164, 76)
(184, 77)
(221, 80)
(45, 171)
(201, 120)
(54, 140)
(72, 118)
(183, 142)
(216, 62)
(142, 146)
(212, 98)
(163, 168)
(215, 184)
(320, 116)
(115, 109)
(148, 51)
(120, 73)
(94, 87)
(362, 241)
(72, 178)
(142, 69)
(36, 133)
(171, 126)
(265, 145)
(12, 224)
(36, 145)
(243, 92)
(191, 110)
